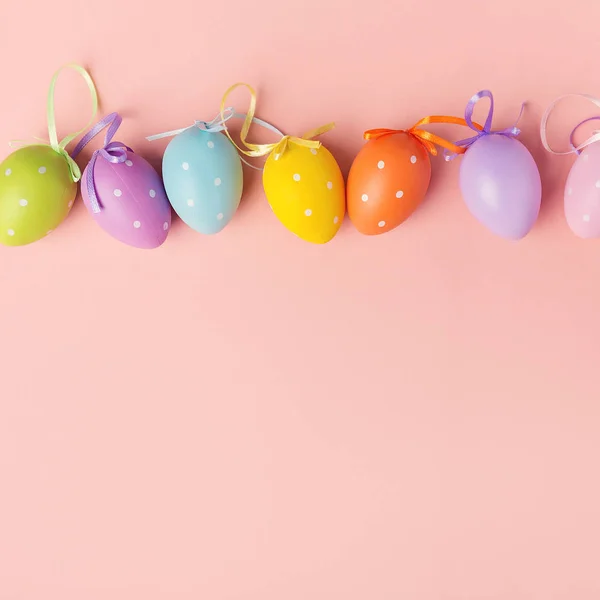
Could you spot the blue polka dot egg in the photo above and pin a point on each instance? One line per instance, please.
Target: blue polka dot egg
(202, 173)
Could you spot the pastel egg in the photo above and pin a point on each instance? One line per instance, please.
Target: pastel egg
(133, 202)
(387, 181)
(501, 185)
(36, 194)
(203, 178)
(582, 194)
(305, 189)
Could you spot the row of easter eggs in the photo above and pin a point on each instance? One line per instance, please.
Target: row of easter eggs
(203, 181)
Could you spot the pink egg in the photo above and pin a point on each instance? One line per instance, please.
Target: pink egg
(134, 207)
(582, 194)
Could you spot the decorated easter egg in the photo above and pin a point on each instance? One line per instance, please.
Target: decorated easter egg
(203, 178)
(501, 185)
(582, 194)
(36, 194)
(305, 189)
(133, 204)
(387, 181)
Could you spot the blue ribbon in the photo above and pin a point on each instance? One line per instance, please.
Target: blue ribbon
(216, 125)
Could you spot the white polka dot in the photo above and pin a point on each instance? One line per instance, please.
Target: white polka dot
(8, 172)
(296, 177)
(129, 163)
(313, 151)
(185, 166)
(364, 197)
(381, 223)
(11, 232)
(190, 202)
(569, 191)
(118, 193)
(413, 159)
(308, 212)
(598, 183)
(277, 156)
(399, 194)
(137, 224)
(70, 204)
(335, 220)
(380, 164)
(586, 156)
(586, 218)
(217, 181)
(329, 185)
(42, 170)
(165, 226)
(152, 193)
(210, 144)
(220, 217)
(23, 202)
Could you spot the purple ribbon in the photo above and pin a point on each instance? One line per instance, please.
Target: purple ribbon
(113, 152)
(513, 131)
(594, 138)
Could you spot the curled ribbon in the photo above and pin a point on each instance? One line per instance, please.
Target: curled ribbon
(113, 152)
(54, 143)
(426, 138)
(513, 131)
(279, 147)
(216, 125)
(595, 137)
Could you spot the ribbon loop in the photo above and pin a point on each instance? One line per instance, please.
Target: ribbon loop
(594, 137)
(217, 125)
(113, 152)
(278, 148)
(60, 146)
(513, 131)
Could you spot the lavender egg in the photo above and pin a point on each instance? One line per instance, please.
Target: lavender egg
(501, 185)
(134, 208)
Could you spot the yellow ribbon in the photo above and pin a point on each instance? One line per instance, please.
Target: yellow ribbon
(54, 143)
(279, 147)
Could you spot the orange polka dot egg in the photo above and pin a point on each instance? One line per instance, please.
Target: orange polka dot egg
(387, 181)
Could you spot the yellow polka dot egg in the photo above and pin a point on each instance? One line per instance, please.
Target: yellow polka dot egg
(305, 189)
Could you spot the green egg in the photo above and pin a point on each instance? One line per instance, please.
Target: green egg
(36, 194)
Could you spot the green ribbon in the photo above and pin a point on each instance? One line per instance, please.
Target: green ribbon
(54, 143)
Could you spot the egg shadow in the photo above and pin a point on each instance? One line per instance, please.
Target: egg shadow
(343, 153)
(552, 174)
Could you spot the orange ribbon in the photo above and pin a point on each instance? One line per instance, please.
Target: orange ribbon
(428, 139)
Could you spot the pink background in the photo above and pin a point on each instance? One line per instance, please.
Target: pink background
(249, 417)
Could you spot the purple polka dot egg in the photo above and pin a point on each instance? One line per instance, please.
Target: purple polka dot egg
(133, 206)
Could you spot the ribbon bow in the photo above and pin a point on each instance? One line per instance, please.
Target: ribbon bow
(214, 126)
(427, 139)
(594, 137)
(113, 152)
(513, 131)
(60, 146)
(279, 147)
